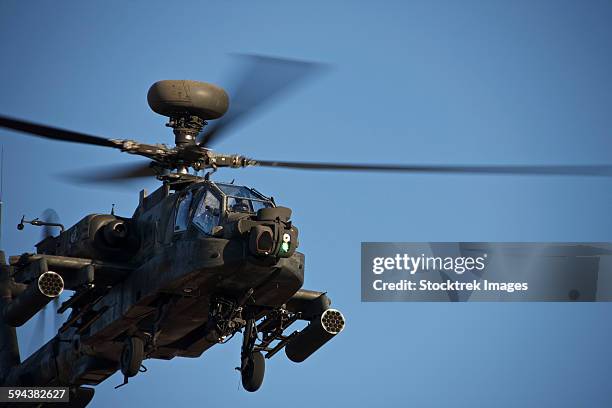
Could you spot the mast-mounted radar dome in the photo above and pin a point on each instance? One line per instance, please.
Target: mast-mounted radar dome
(188, 104)
(180, 98)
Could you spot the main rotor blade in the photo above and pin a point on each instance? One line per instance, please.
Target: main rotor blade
(57, 318)
(110, 174)
(261, 80)
(544, 170)
(54, 133)
(49, 215)
(38, 330)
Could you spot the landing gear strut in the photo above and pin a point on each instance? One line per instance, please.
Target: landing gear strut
(253, 363)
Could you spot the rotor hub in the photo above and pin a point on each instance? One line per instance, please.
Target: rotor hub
(186, 129)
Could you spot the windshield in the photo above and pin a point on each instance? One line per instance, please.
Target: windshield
(243, 199)
(207, 214)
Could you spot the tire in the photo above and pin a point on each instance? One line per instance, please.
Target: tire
(253, 373)
(132, 356)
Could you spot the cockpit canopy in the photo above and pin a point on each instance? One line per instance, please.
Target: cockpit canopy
(206, 204)
(243, 199)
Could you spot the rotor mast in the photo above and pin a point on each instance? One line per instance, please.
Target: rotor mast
(186, 130)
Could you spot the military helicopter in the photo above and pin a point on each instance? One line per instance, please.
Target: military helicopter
(198, 261)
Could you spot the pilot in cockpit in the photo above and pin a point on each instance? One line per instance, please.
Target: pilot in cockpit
(240, 205)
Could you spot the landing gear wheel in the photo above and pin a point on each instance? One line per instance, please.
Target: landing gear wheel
(253, 370)
(131, 356)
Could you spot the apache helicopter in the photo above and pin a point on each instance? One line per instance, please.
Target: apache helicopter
(198, 261)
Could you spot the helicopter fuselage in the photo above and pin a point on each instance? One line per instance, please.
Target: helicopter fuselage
(187, 271)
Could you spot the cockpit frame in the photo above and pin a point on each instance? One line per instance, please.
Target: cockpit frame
(222, 192)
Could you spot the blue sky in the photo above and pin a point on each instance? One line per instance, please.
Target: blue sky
(473, 82)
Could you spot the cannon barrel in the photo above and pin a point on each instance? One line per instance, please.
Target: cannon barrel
(320, 330)
(36, 296)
